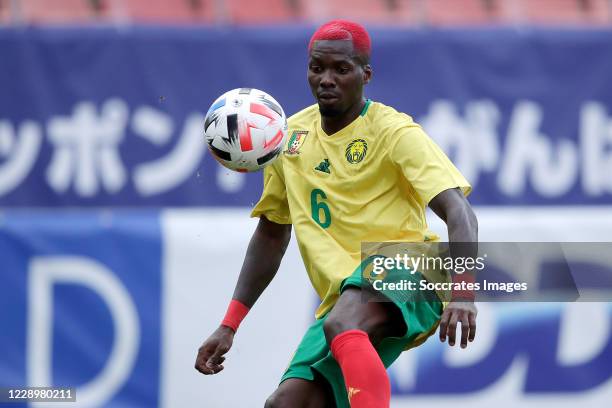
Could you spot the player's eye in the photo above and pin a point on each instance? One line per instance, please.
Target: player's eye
(343, 70)
(316, 69)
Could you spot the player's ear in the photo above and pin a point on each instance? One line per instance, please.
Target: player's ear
(367, 73)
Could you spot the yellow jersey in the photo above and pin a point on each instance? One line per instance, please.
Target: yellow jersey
(369, 182)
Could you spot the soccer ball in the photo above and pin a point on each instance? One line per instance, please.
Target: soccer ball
(246, 129)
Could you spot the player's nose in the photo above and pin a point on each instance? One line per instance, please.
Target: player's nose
(327, 79)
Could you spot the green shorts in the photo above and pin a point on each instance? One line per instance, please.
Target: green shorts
(313, 354)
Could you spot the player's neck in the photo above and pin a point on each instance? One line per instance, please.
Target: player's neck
(334, 124)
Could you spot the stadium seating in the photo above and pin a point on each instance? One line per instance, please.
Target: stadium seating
(5, 12)
(262, 11)
(373, 11)
(386, 12)
(557, 11)
(460, 12)
(58, 11)
(159, 11)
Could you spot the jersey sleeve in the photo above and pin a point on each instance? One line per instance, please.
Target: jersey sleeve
(424, 164)
(273, 202)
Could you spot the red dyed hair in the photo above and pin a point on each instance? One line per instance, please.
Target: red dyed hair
(344, 30)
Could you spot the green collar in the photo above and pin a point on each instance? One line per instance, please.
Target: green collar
(365, 108)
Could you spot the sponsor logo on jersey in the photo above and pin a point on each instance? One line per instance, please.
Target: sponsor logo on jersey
(296, 140)
(356, 150)
(324, 166)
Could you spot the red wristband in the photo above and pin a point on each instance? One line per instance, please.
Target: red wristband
(463, 293)
(236, 311)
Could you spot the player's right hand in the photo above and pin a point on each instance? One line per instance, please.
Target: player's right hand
(210, 354)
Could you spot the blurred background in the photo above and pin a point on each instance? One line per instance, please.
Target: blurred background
(400, 13)
(121, 238)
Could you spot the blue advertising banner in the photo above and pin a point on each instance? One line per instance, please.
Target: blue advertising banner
(104, 116)
(527, 332)
(80, 304)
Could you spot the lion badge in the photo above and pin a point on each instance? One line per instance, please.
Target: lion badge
(356, 150)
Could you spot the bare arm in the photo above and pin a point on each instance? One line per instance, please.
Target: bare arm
(452, 207)
(263, 257)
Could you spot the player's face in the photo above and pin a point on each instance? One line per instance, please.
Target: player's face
(335, 76)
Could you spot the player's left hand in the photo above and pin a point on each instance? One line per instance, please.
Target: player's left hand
(456, 311)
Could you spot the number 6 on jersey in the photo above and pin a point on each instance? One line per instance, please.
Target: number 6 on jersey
(318, 206)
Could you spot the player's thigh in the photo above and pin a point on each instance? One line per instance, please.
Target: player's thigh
(300, 393)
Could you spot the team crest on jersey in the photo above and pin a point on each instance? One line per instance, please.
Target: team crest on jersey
(296, 140)
(356, 151)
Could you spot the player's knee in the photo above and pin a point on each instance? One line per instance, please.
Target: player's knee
(272, 402)
(279, 399)
(333, 326)
(375, 321)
